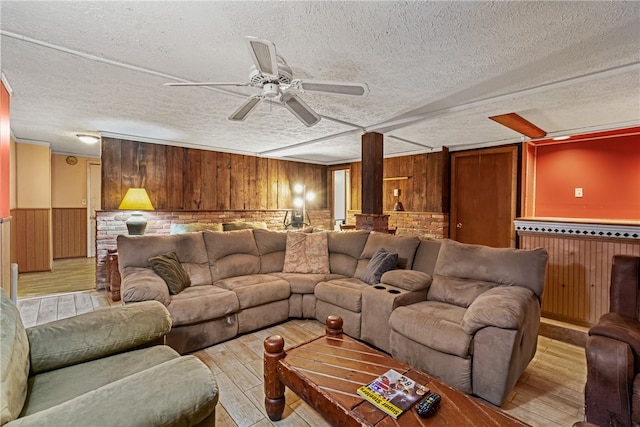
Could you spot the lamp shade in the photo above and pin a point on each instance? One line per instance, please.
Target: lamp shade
(136, 199)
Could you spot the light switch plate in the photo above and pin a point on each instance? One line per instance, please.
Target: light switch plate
(578, 192)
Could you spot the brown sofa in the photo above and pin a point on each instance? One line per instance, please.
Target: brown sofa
(239, 284)
(612, 392)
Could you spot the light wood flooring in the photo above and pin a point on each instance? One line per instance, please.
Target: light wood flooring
(66, 275)
(549, 393)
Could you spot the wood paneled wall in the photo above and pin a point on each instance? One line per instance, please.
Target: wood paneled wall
(69, 232)
(426, 188)
(31, 225)
(179, 178)
(578, 274)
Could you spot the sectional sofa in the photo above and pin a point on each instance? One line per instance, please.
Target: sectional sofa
(466, 314)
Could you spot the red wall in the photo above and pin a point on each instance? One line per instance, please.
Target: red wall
(608, 171)
(5, 153)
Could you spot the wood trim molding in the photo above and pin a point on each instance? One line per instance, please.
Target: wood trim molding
(579, 229)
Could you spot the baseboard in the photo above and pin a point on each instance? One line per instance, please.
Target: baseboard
(562, 331)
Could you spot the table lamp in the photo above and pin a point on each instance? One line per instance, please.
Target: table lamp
(136, 200)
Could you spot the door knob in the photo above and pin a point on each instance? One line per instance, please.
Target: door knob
(459, 225)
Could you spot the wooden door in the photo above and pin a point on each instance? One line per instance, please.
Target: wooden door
(483, 196)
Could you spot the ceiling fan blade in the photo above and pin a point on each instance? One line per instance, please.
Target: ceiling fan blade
(519, 124)
(243, 111)
(263, 54)
(207, 84)
(338, 88)
(300, 109)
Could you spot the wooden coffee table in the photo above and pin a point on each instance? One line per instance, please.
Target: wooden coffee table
(327, 371)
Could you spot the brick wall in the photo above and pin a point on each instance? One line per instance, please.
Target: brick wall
(110, 224)
(422, 224)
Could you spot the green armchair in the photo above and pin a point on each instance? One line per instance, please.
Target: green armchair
(100, 369)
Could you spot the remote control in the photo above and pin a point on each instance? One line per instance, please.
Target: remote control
(429, 405)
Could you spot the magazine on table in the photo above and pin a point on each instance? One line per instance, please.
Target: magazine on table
(393, 393)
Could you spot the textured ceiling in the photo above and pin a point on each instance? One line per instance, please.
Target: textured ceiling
(436, 71)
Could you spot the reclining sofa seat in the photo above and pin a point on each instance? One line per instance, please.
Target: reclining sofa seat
(201, 314)
(477, 330)
(344, 297)
(272, 246)
(76, 371)
(475, 327)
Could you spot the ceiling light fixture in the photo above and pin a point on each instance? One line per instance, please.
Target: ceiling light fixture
(561, 138)
(88, 139)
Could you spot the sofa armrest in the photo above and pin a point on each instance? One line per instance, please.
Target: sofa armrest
(410, 280)
(607, 393)
(503, 307)
(143, 284)
(181, 391)
(96, 334)
(620, 328)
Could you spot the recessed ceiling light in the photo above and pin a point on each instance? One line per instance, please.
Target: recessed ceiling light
(88, 139)
(561, 138)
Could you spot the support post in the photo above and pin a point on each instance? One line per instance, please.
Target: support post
(371, 217)
(372, 173)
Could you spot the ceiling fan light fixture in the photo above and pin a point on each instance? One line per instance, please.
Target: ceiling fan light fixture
(270, 90)
(88, 139)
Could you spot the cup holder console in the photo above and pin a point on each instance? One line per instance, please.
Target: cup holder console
(379, 287)
(393, 291)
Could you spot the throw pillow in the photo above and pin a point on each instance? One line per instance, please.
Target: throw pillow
(381, 262)
(306, 253)
(169, 268)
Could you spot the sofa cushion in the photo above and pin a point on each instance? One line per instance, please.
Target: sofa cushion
(501, 266)
(457, 291)
(303, 283)
(409, 280)
(306, 253)
(135, 251)
(404, 246)
(169, 268)
(433, 324)
(231, 253)
(14, 361)
(381, 262)
(345, 248)
(55, 387)
(200, 303)
(345, 293)
(256, 289)
(194, 227)
(271, 247)
(426, 255)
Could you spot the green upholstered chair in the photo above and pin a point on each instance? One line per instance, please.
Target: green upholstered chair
(100, 369)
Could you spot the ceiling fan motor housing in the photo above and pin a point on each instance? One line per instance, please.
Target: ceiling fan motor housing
(270, 90)
(285, 75)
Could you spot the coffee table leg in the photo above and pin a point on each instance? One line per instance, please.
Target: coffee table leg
(273, 387)
(333, 326)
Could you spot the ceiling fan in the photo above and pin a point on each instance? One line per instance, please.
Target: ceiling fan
(273, 76)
